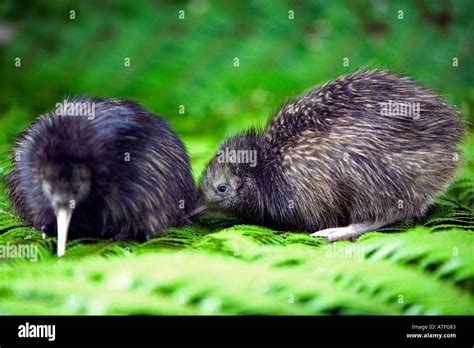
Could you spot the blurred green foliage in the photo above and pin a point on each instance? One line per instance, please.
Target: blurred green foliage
(190, 61)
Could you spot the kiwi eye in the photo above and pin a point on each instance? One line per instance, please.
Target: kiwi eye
(222, 188)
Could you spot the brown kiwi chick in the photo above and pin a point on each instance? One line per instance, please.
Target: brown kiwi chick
(353, 155)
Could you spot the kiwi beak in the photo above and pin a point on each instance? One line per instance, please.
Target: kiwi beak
(200, 204)
(63, 218)
(198, 210)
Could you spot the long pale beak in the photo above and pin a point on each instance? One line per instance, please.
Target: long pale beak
(63, 218)
(198, 210)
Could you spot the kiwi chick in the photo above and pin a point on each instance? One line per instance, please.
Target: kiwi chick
(116, 172)
(360, 152)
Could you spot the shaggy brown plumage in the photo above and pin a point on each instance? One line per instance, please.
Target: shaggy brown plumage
(122, 173)
(365, 150)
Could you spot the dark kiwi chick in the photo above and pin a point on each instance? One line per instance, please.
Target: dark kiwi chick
(355, 154)
(118, 171)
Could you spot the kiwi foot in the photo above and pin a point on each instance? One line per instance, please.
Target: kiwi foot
(348, 232)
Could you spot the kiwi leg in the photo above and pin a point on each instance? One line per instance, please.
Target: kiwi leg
(348, 232)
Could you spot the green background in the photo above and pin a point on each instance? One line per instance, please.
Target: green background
(209, 268)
